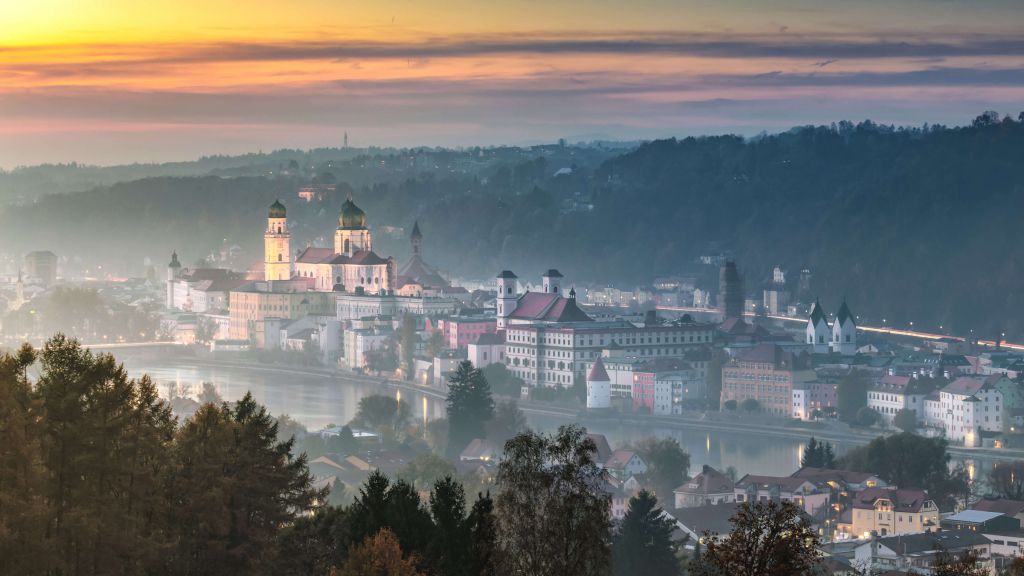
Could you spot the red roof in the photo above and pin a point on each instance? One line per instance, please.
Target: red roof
(312, 255)
(903, 499)
(1001, 505)
(619, 459)
(548, 307)
(964, 386)
(598, 373)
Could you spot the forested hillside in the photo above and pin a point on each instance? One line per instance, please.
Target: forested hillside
(909, 224)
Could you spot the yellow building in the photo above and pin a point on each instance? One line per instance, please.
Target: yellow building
(252, 304)
(277, 260)
(891, 512)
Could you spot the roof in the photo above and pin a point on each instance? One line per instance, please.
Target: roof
(1003, 505)
(619, 458)
(709, 481)
(903, 499)
(604, 450)
(478, 449)
(276, 210)
(817, 315)
(598, 373)
(973, 516)
(830, 474)
(552, 273)
(313, 255)
(712, 518)
(964, 386)
(506, 274)
(930, 542)
(416, 230)
(844, 314)
(769, 353)
(543, 306)
(416, 271)
(787, 483)
(491, 339)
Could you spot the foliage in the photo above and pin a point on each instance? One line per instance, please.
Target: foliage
(435, 343)
(82, 313)
(396, 506)
(501, 379)
(449, 544)
(426, 469)
(714, 378)
(910, 461)
(969, 563)
(643, 543)
(382, 412)
(768, 539)
(483, 537)
(667, 463)
(853, 395)
(407, 339)
(750, 405)
(209, 394)
(379, 555)
(469, 404)
(1006, 479)
(552, 508)
(905, 420)
(508, 422)
(867, 416)
(818, 455)
(729, 405)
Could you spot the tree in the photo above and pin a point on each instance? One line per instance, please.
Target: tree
(482, 537)
(426, 469)
(969, 563)
(552, 509)
(209, 395)
(382, 412)
(667, 463)
(905, 420)
(502, 380)
(729, 405)
(379, 555)
(407, 341)
(768, 539)
(867, 417)
(853, 395)
(714, 379)
(508, 422)
(315, 544)
(469, 404)
(206, 329)
(751, 405)
(450, 539)
(643, 543)
(1006, 480)
(435, 343)
(395, 506)
(818, 454)
(910, 461)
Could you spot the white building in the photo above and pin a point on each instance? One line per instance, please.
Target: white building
(598, 388)
(844, 332)
(891, 394)
(361, 341)
(818, 332)
(488, 349)
(969, 406)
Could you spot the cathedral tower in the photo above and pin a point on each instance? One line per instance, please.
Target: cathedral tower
(507, 299)
(173, 269)
(277, 256)
(352, 235)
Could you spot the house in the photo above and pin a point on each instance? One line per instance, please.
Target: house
(890, 394)
(766, 373)
(888, 511)
(804, 493)
(1013, 508)
(980, 521)
(625, 463)
(604, 450)
(840, 480)
(488, 349)
(708, 487)
(917, 552)
(970, 406)
(711, 519)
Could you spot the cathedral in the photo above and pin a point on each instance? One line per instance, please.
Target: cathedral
(350, 265)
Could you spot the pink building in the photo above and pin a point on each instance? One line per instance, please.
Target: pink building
(460, 332)
(643, 391)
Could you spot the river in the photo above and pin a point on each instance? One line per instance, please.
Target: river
(317, 400)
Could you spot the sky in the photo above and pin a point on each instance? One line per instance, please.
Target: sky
(120, 81)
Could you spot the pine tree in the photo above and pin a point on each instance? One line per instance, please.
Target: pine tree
(470, 406)
(449, 543)
(643, 543)
(482, 537)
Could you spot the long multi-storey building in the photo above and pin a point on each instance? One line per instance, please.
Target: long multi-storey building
(557, 354)
(766, 373)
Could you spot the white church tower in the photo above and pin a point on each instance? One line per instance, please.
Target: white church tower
(173, 269)
(277, 257)
(599, 387)
(819, 334)
(553, 282)
(844, 332)
(507, 297)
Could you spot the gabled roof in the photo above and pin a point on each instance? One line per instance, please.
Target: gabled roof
(619, 458)
(604, 450)
(506, 274)
(844, 315)
(1003, 505)
(598, 373)
(964, 386)
(416, 271)
(830, 474)
(787, 483)
(769, 353)
(709, 481)
(817, 315)
(903, 499)
(929, 542)
(478, 449)
(313, 255)
(543, 306)
(713, 518)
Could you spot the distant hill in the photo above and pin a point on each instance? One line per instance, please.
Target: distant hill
(908, 224)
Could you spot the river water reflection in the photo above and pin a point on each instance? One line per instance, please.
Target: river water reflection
(316, 401)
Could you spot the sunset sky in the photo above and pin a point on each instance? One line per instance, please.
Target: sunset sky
(115, 81)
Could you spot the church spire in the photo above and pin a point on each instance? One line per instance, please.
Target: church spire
(416, 238)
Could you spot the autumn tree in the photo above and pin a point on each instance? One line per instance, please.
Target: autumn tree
(378, 412)
(552, 507)
(968, 563)
(379, 555)
(768, 539)
(668, 464)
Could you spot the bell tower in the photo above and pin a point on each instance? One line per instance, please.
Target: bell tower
(277, 257)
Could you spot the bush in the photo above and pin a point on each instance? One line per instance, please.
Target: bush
(730, 405)
(751, 405)
(905, 420)
(867, 417)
